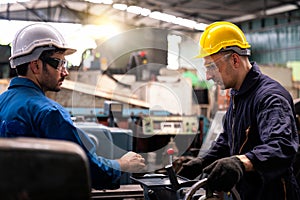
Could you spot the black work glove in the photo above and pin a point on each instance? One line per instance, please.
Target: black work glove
(224, 173)
(192, 168)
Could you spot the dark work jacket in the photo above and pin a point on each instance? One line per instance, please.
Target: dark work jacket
(260, 123)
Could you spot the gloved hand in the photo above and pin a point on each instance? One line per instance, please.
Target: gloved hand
(192, 168)
(224, 173)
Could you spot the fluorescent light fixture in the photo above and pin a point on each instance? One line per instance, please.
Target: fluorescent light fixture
(184, 22)
(101, 1)
(243, 18)
(138, 10)
(120, 6)
(145, 12)
(134, 9)
(109, 2)
(271, 11)
(8, 1)
(162, 16)
(200, 26)
(12, 1)
(94, 1)
(156, 15)
(281, 9)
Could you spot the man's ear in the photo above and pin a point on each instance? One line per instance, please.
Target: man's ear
(34, 66)
(236, 59)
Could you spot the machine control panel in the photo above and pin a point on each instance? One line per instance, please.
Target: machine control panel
(168, 125)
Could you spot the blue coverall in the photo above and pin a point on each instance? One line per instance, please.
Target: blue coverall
(260, 123)
(25, 111)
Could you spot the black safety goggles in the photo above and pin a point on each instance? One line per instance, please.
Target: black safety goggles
(56, 63)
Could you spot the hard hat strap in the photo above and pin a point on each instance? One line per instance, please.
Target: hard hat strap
(241, 52)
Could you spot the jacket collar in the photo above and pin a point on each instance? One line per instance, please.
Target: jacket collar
(251, 79)
(24, 82)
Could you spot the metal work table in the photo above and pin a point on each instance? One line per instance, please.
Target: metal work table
(132, 191)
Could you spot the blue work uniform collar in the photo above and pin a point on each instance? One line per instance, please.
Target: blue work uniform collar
(24, 82)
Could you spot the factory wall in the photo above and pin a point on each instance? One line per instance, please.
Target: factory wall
(274, 40)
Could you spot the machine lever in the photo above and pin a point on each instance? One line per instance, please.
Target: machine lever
(172, 177)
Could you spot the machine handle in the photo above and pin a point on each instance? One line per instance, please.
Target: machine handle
(194, 188)
(172, 177)
(209, 192)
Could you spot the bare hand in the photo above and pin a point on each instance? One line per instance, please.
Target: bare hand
(132, 162)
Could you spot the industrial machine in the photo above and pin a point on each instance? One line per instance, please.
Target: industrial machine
(172, 186)
(110, 142)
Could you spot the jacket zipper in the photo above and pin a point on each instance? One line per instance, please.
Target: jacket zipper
(284, 188)
(232, 126)
(246, 139)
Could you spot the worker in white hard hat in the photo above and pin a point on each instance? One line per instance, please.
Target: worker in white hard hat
(38, 55)
(257, 146)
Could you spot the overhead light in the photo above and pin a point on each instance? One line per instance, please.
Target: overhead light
(145, 12)
(271, 11)
(162, 16)
(94, 1)
(138, 10)
(242, 18)
(107, 2)
(200, 26)
(154, 15)
(8, 1)
(12, 1)
(120, 6)
(184, 22)
(134, 9)
(101, 1)
(281, 9)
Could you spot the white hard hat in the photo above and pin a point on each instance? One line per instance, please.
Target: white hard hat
(32, 40)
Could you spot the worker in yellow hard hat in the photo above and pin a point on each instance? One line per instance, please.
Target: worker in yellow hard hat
(259, 141)
(218, 43)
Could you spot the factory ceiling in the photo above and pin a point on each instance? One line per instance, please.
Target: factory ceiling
(89, 12)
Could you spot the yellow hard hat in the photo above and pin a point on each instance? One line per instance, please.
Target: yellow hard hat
(222, 36)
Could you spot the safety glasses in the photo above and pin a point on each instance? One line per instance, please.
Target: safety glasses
(56, 63)
(211, 67)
